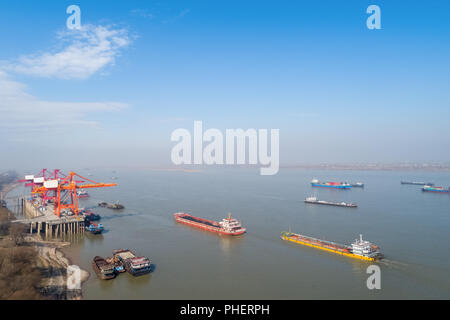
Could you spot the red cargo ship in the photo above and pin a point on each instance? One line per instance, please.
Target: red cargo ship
(229, 226)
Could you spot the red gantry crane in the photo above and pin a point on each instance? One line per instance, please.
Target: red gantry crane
(66, 191)
(37, 181)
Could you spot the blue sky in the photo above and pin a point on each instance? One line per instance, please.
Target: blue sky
(337, 91)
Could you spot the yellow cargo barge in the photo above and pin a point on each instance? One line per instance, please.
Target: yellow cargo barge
(360, 249)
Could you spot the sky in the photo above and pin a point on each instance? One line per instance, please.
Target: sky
(111, 93)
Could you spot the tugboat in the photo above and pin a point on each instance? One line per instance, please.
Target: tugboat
(103, 269)
(95, 228)
(134, 265)
(229, 226)
(115, 206)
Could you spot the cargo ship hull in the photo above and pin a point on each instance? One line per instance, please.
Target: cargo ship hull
(417, 183)
(325, 246)
(436, 190)
(321, 185)
(336, 204)
(207, 225)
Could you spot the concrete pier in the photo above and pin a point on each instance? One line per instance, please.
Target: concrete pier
(48, 222)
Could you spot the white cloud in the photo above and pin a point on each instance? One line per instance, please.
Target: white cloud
(22, 113)
(83, 53)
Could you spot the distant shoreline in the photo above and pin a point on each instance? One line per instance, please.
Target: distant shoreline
(373, 167)
(419, 167)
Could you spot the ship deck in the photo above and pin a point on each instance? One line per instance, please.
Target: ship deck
(202, 221)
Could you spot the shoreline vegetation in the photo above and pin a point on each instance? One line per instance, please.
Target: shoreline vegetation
(31, 268)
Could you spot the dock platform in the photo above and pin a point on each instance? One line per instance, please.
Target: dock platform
(48, 222)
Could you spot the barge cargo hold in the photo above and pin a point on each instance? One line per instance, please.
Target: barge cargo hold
(360, 249)
(336, 185)
(103, 269)
(435, 189)
(229, 226)
(314, 200)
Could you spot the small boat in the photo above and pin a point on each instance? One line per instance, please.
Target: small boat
(82, 194)
(95, 228)
(103, 269)
(119, 268)
(115, 206)
(358, 185)
(90, 216)
(134, 265)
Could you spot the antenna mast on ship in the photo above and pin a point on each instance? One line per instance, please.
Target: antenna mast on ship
(229, 216)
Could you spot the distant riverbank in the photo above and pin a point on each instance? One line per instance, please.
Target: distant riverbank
(427, 167)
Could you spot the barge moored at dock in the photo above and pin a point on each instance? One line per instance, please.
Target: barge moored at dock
(229, 226)
(359, 249)
(314, 200)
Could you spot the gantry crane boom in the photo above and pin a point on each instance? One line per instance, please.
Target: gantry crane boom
(66, 190)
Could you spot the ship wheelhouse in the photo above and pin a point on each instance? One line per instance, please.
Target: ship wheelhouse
(230, 224)
(364, 248)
